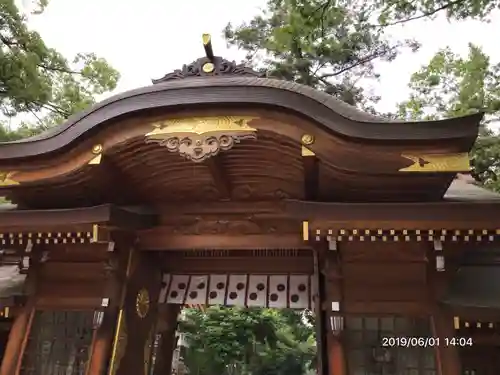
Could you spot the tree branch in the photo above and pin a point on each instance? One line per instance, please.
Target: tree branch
(424, 15)
(359, 62)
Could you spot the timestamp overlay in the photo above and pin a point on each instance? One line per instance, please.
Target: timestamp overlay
(424, 341)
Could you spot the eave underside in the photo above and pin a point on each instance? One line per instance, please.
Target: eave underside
(269, 169)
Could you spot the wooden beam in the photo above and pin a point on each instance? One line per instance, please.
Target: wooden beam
(311, 177)
(432, 215)
(156, 240)
(219, 177)
(114, 216)
(244, 264)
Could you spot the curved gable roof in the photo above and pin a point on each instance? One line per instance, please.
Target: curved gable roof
(330, 113)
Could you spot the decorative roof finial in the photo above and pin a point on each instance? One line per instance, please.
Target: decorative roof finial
(207, 44)
(210, 65)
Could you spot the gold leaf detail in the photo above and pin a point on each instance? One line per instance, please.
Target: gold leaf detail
(120, 344)
(199, 138)
(438, 163)
(6, 179)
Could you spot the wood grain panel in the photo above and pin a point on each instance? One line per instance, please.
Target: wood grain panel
(384, 273)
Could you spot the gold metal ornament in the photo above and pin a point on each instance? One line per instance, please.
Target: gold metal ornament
(119, 343)
(208, 67)
(307, 140)
(438, 163)
(142, 303)
(198, 138)
(97, 151)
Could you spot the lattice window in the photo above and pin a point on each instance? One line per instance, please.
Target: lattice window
(58, 343)
(366, 356)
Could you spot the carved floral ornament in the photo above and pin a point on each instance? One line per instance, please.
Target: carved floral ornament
(198, 138)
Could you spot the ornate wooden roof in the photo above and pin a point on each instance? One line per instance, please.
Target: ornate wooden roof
(218, 130)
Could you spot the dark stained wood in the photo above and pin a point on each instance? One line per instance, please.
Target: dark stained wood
(242, 264)
(167, 326)
(448, 356)
(37, 220)
(431, 215)
(412, 308)
(143, 275)
(315, 105)
(269, 168)
(156, 240)
(110, 177)
(321, 318)
(221, 180)
(22, 322)
(311, 177)
(252, 197)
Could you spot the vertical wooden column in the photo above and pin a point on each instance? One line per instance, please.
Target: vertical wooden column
(102, 344)
(336, 356)
(119, 267)
(322, 324)
(334, 291)
(138, 316)
(20, 329)
(447, 357)
(167, 326)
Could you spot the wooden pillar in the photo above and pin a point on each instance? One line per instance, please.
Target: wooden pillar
(21, 326)
(332, 271)
(448, 358)
(118, 270)
(322, 324)
(102, 344)
(14, 348)
(167, 326)
(137, 318)
(336, 355)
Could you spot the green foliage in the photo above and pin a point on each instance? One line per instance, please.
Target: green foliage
(38, 80)
(225, 340)
(399, 11)
(449, 86)
(324, 44)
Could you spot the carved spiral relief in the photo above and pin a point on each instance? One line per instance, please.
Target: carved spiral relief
(199, 138)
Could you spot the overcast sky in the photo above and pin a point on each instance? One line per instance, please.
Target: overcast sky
(148, 38)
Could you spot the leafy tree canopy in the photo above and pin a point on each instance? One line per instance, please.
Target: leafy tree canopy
(323, 44)
(231, 340)
(451, 85)
(36, 79)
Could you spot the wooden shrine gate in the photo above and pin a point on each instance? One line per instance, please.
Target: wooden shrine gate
(218, 185)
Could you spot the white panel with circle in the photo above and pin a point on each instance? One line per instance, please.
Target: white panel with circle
(257, 290)
(164, 288)
(217, 289)
(197, 292)
(236, 292)
(298, 293)
(178, 288)
(278, 291)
